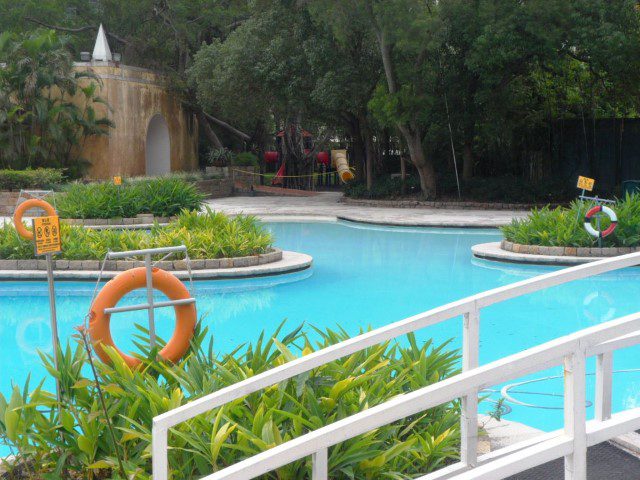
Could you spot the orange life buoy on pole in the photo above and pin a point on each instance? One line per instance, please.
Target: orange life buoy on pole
(124, 283)
(23, 207)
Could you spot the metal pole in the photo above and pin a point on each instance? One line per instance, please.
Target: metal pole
(152, 325)
(54, 320)
(599, 231)
(580, 209)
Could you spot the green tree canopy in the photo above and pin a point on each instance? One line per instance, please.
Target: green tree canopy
(47, 108)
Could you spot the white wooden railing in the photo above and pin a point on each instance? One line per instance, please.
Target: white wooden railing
(572, 351)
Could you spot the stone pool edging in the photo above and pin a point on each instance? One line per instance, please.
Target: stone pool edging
(290, 262)
(566, 251)
(272, 256)
(139, 220)
(493, 251)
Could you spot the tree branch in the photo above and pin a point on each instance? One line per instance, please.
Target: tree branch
(228, 127)
(77, 30)
(55, 27)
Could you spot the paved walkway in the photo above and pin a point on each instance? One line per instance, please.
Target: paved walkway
(604, 462)
(327, 205)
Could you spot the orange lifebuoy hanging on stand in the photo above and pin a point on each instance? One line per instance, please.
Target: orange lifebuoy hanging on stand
(118, 287)
(22, 208)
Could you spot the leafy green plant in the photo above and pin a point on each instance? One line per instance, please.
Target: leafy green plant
(219, 157)
(47, 108)
(564, 227)
(207, 235)
(383, 188)
(246, 159)
(42, 178)
(162, 196)
(73, 442)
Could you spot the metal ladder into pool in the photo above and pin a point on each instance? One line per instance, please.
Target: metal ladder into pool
(571, 351)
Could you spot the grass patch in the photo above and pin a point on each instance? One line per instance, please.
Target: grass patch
(162, 196)
(564, 226)
(208, 235)
(76, 443)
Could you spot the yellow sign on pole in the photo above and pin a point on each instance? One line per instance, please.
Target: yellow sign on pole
(46, 235)
(117, 180)
(586, 183)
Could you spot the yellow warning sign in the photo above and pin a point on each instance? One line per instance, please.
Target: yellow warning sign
(586, 183)
(117, 180)
(46, 235)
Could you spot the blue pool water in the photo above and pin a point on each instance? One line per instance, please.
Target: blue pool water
(362, 276)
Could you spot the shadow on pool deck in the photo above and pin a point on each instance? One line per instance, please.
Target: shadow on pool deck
(604, 462)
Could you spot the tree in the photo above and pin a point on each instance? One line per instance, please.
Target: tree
(159, 34)
(283, 68)
(47, 109)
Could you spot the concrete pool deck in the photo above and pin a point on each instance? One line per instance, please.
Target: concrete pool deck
(326, 206)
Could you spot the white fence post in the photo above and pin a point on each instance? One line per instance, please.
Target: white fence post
(575, 417)
(320, 467)
(159, 449)
(604, 386)
(470, 360)
(152, 322)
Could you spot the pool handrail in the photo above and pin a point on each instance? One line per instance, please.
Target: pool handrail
(468, 307)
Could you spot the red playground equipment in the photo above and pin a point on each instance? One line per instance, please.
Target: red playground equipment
(318, 169)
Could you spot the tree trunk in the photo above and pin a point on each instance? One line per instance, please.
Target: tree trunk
(208, 131)
(424, 165)
(468, 160)
(410, 133)
(403, 174)
(359, 152)
(369, 154)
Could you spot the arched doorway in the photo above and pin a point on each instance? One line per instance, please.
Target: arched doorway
(158, 147)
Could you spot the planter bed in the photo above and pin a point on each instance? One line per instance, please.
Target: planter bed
(566, 251)
(274, 255)
(142, 219)
(555, 256)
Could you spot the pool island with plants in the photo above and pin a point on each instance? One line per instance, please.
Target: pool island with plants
(217, 246)
(560, 235)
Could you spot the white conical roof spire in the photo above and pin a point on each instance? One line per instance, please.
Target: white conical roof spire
(101, 51)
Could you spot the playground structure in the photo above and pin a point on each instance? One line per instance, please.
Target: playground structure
(297, 164)
(340, 162)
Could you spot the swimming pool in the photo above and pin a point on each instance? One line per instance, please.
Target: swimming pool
(362, 276)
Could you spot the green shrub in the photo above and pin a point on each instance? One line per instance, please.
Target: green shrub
(163, 196)
(508, 189)
(74, 442)
(39, 178)
(246, 159)
(564, 227)
(383, 188)
(209, 235)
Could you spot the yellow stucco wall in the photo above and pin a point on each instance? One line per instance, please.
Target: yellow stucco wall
(135, 95)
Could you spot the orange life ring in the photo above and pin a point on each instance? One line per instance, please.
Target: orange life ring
(124, 283)
(23, 207)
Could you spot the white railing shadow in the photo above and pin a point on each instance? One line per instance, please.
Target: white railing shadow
(571, 351)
